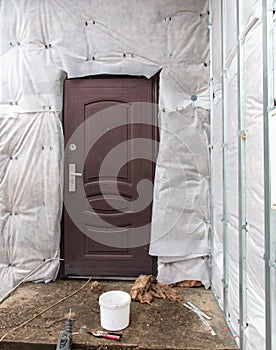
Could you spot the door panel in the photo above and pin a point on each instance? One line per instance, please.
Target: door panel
(112, 171)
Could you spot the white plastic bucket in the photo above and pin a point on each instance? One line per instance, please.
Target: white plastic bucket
(114, 310)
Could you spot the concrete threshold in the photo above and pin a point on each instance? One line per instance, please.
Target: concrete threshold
(160, 325)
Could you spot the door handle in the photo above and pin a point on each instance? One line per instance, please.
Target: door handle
(72, 177)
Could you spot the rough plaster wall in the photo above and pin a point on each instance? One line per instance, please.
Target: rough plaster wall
(252, 64)
(42, 41)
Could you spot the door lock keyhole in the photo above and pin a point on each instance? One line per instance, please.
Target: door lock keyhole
(72, 147)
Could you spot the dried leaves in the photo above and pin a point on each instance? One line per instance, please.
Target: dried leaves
(187, 284)
(146, 287)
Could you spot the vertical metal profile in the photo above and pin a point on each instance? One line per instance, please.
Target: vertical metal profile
(224, 159)
(225, 138)
(241, 180)
(270, 212)
(211, 90)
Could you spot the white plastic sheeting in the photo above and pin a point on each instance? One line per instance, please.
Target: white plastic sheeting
(42, 41)
(181, 194)
(253, 114)
(30, 201)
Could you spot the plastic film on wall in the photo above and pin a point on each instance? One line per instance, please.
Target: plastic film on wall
(30, 201)
(41, 43)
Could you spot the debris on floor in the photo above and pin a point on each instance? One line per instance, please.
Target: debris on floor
(146, 288)
(202, 316)
(195, 309)
(95, 287)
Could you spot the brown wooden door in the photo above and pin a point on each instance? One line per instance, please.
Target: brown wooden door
(114, 142)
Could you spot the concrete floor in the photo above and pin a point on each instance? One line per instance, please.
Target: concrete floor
(161, 325)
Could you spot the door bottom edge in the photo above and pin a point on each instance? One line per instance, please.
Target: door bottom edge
(109, 278)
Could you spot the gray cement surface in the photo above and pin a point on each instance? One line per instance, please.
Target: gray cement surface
(161, 325)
